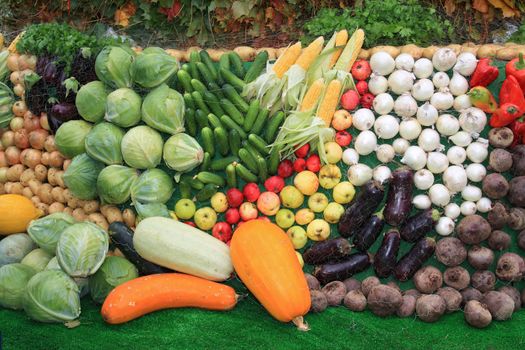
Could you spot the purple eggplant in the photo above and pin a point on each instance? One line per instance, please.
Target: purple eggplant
(325, 251)
(386, 256)
(51, 73)
(417, 226)
(369, 232)
(399, 198)
(361, 208)
(341, 270)
(64, 111)
(415, 258)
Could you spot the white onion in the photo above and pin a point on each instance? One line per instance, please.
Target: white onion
(461, 138)
(477, 152)
(466, 64)
(422, 201)
(442, 100)
(427, 114)
(439, 195)
(381, 174)
(452, 211)
(471, 193)
(476, 172)
(447, 125)
(383, 103)
(437, 162)
(365, 143)
(423, 68)
(359, 174)
(440, 80)
(363, 119)
(444, 59)
(400, 145)
(462, 102)
(404, 61)
(377, 84)
(385, 153)
(429, 140)
(423, 90)
(423, 179)
(458, 84)
(473, 120)
(400, 81)
(468, 208)
(382, 63)
(409, 129)
(455, 178)
(484, 205)
(456, 155)
(405, 106)
(445, 226)
(386, 127)
(414, 157)
(350, 156)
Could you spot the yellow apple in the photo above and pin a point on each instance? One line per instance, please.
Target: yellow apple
(318, 230)
(291, 197)
(300, 258)
(298, 236)
(304, 216)
(343, 192)
(205, 218)
(306, 182)
(329, 176)
(317, 202)
(333, 152)
(342, 120)
(268, 203)
(284, 218)
(219, 202)
(333, 212)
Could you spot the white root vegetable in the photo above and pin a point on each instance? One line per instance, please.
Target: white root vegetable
(385, 153)
(439, 195)
(461, 138)
(445, 226)
(386, 127)
(437, 162)
(382, 63)
(400, 146)
(442, 100)
(423, 68)
(423, 90)
(363, 119)
(423, 179)
(405, 106)
(350, 156)
(377, 84)
(415, 157)
(458, 84)
(466, 64)
(477, 152)
(427, 114)
(405, 61)
(359, 174)
(422, 201)
(452, 210)
(455, 178)
(401, 81)
(365, 143)
(383, 103)
(409, 129)
(476, 172)
(429, 140)
(473, 120)
(440, 80)
(471, 193)
(456, 155)
(444, 59)
(447, 125)
(468, 208)
(462, 102)
(484, 205)
(382, 174)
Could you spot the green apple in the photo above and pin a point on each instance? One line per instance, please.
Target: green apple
(291, 197)
(219, 202)
(304, 216)
(184, 209)
(343, 192)
(317, 202)
(333, 152)
(333, 211)
(205, 218)
(318, 230)
(284, 218)
(329, 176)
(298, 236)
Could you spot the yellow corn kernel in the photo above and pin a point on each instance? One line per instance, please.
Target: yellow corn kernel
(287, 59)
(310, 53)
(311, 98)
(340, 39)
(351, 51)
(330, 101)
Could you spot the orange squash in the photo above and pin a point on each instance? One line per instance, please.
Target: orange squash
(16, 212)
(143, 295)
(264, 259)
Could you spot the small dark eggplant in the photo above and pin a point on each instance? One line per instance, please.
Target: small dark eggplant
(341, 270)
(365, 237)
(64, 111)
(361, 208)
(399, 198)
(386, 256)
(51, 73)
(325, 251)
(417, 226)
(415, 258)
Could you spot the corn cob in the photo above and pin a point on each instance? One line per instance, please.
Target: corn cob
(340, 39)
(311, 98)
(310, 53)
(349, 54)
(287, 59)
(330, 100)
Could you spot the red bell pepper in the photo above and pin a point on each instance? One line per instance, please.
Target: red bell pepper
(482, 98)
(516, 68)
(505, 115)
(518, 129)
(484, 74)
(511, 92)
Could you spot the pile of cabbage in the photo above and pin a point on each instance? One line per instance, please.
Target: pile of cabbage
(46, 271)
(132, 129)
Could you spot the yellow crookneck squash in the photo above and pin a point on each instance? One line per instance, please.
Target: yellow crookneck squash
(16, 212)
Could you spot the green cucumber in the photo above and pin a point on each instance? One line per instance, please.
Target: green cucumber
(214, 121)
(194, 58)
(205, 72)
(188, 100)
(221, 139)
(197, 85)
(193, 182)
(245, 174)
(202, 119)
(207, 177)
(231, 175)
(215, 89)
(185, 80)
(253, 151)
(222, 163)
(206, 161)
(251, 116)
(206, 59)
(208, 142)
(206, 193)
(258, 65)
(224, 62)
(235, 141)
(232, 79)
(184, 189)
(260, 121)
(199, 102)
(213, 102)
(235, 98)
(236, 64)
(186, 67)
(230, 124)
(191, 122)
(275, 158)
(259, 144)
(273, 127)
(263, 170)
(249, 160)
(232, 111)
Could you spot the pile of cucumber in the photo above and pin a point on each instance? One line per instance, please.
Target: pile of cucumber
(233, 132)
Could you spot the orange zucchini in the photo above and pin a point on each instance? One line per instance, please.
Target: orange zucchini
(264, 258)
(143, 295)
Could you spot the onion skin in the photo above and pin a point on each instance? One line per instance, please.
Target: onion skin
(37, 138)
